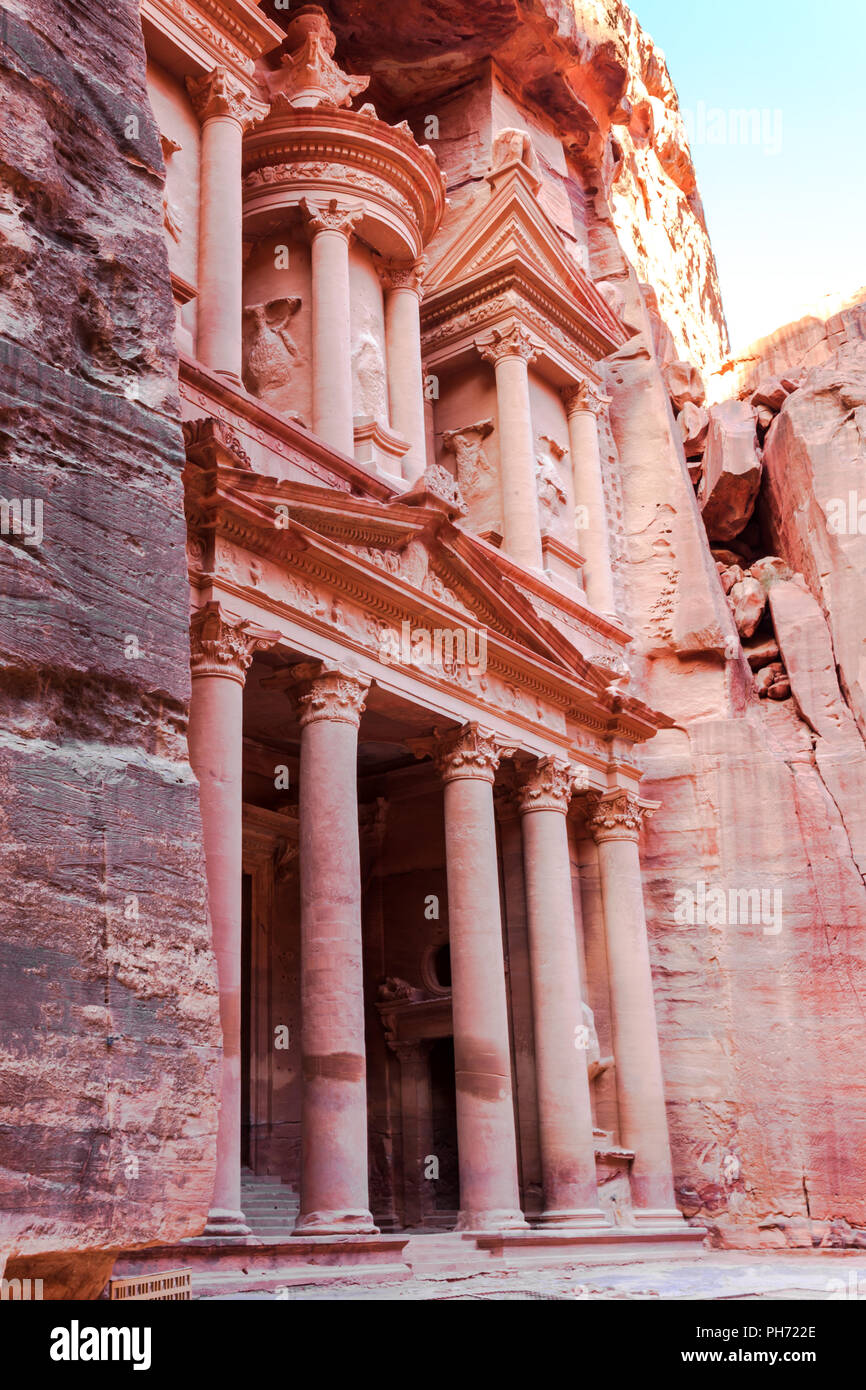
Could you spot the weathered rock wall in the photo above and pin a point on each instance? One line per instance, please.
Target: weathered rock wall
(109, 1047)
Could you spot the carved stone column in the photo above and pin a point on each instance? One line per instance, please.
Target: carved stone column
(331, 228)
(582, 408)
(222, 650)
(614, 820)
(334, 1187)
(225, 109)
(416, 1106)
(564, 1105)
(489, 1190)
(405, 372)
(511, 350)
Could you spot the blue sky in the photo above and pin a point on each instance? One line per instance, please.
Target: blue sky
(787, 210)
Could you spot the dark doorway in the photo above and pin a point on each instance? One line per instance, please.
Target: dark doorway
(246, 1011)
(444, 1100)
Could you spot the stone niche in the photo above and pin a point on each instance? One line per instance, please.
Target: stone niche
(180, 139)
(277, 323)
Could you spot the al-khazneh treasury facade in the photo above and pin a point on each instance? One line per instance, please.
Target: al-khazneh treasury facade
(410, 716)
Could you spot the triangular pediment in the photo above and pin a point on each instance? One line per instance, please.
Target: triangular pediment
(513, 227)
(416, 552)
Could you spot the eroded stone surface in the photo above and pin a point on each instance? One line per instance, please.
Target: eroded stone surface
(110, 1041)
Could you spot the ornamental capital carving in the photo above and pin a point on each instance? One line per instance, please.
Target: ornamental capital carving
(617, 815)
(548, 787)
(334, 216)
(210, 442)
(308, 76)
(222, 644)
(403, 275)
(218, 93)
(468, 752)
(336, 693)
(515, 340)
(582, 396)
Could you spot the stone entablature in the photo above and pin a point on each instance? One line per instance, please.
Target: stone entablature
(208, 33)
(352, 156)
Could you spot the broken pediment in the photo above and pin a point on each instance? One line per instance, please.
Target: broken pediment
(512, 227)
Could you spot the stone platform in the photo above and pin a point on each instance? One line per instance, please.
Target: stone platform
(233, 1267)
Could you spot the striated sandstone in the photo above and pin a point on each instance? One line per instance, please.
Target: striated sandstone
(110, 1041)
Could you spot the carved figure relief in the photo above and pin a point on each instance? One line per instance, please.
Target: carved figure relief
(270, 352)
(476, 475)
(368, 370)
(552, 497)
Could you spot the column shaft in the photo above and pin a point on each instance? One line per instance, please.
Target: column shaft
(489, 1192)
(220, 247)
(406, 375)
(222, 650)
(564, 1104)
(333, 416)
(334, 1190)
(590, 509)
(517, 459)
(640, 1085)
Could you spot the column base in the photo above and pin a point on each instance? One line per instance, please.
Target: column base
(497, 1220)
(221, 1222)
(574, 1219)
(657, 1216)
(336, 1223)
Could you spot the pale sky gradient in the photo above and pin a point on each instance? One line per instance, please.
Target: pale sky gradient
(787, 227)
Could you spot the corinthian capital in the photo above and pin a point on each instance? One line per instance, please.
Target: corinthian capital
(548, 786)
(582, 396)
(403, 275)
(617, 815)
(334, 216)
(218, 93)
(222, 644)
(336, 693)
(468, 752)
(512, 341)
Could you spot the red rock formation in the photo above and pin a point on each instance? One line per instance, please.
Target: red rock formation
(110, 1042)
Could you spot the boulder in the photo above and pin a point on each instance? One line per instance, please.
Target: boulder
(768, 676)
(731, 576)
(748, 599)
(694, 421)
(732, 471)
(770, 569)
(685, 384)
(770, 394)
(761, 653)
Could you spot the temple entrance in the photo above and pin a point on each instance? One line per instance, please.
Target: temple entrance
(443, 1092)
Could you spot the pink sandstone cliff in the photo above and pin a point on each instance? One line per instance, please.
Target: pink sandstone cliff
(761, 1019)
(110, 1040)
(760, 1027)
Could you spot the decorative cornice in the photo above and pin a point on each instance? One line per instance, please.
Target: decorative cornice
(548, 787)
(335, 693)
(472, 752)
(514, 340)
(218, 93)
(222, 644)
(333, 217)
(617, 815)
(211, 442)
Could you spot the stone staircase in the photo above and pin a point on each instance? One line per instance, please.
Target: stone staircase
(269, 1205)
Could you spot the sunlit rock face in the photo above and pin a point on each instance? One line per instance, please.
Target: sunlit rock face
(110, 1038)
